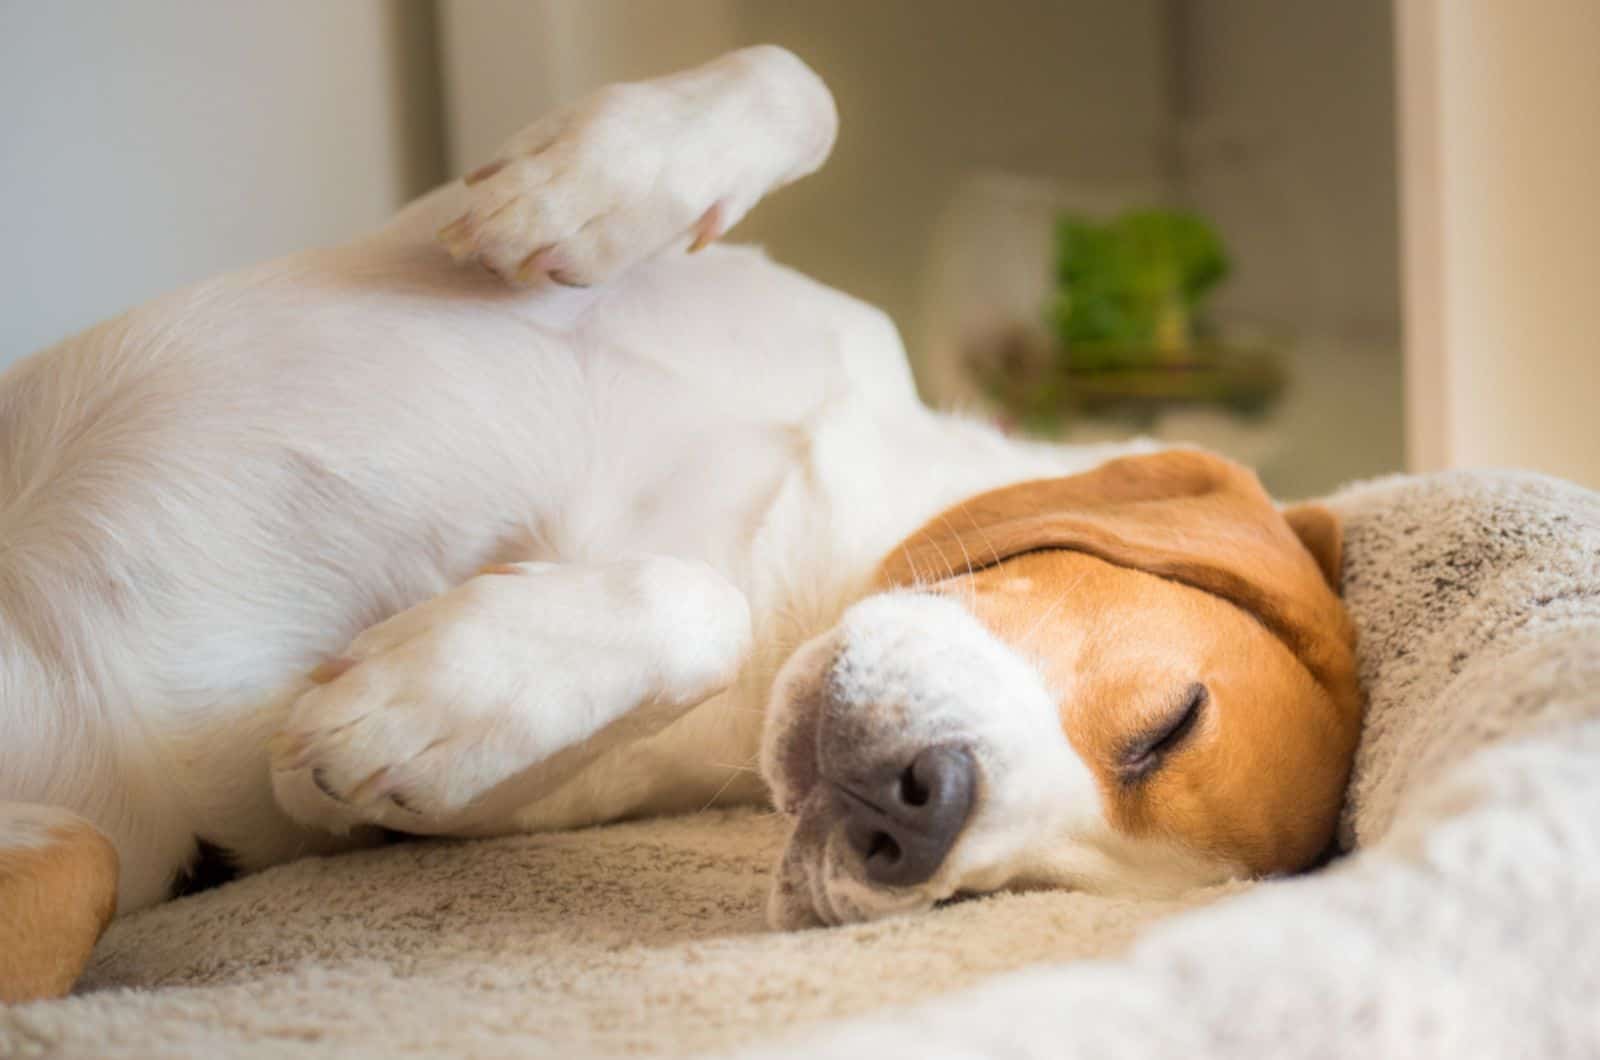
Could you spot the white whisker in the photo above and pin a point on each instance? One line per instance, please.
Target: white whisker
(1052, 609)
(972, 589)
(994, 553)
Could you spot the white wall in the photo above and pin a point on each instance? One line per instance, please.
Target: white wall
(149, 144)
(1501, 150)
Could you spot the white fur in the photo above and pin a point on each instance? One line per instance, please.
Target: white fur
(698, 462)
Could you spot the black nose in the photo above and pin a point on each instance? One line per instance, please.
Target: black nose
(904, 820)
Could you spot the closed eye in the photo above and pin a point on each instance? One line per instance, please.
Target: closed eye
(1144, 754)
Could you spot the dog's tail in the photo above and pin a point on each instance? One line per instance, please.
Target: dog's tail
(58, 891)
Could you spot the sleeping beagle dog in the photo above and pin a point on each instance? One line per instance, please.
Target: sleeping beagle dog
(513, 516)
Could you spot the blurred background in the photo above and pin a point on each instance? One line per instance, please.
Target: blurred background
(1089, 218)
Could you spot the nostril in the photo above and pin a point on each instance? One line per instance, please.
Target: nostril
(871, 837)
(883, 849)
(913, 792)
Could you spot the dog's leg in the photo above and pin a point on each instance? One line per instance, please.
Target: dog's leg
(58, 889)
(452, 715)
(638, 168)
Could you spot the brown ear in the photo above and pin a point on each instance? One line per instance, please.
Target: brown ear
(1181, 514)
(1319, 531)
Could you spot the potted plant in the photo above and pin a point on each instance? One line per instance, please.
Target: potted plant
(1127, 329)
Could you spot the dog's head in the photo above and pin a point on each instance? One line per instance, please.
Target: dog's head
(1134, 680)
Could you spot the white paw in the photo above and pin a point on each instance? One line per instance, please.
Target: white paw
(634, 169)
(426, 715)
(418, 718)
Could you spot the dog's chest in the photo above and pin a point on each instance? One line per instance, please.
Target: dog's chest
(801, 538)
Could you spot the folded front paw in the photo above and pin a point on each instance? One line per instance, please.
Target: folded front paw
(421, 716)
(425, 721)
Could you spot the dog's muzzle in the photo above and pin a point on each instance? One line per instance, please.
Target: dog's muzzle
(902, 743)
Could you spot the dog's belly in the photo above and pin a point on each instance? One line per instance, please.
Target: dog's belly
(243, 476)
(288, 456)
(705, 378)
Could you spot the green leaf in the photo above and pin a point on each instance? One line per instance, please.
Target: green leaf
(1134, 283)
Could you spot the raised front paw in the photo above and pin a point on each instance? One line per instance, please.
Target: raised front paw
(637, 168)
(452, 711)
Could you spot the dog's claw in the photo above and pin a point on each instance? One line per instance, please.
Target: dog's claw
(454, 236)
(283, 748)
(565, 279)
(708, 229)
(291, 752)
(540, 262)
(501, 568)
(376, 786)
(320, 778)
(333, 669)
(483, 173)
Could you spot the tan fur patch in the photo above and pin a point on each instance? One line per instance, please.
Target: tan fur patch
(56, 897)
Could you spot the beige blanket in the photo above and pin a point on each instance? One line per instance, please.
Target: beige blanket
(1466, 923)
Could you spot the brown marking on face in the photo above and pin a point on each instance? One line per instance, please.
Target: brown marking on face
(1256, 777)
(55, 900)
(1134, 586)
